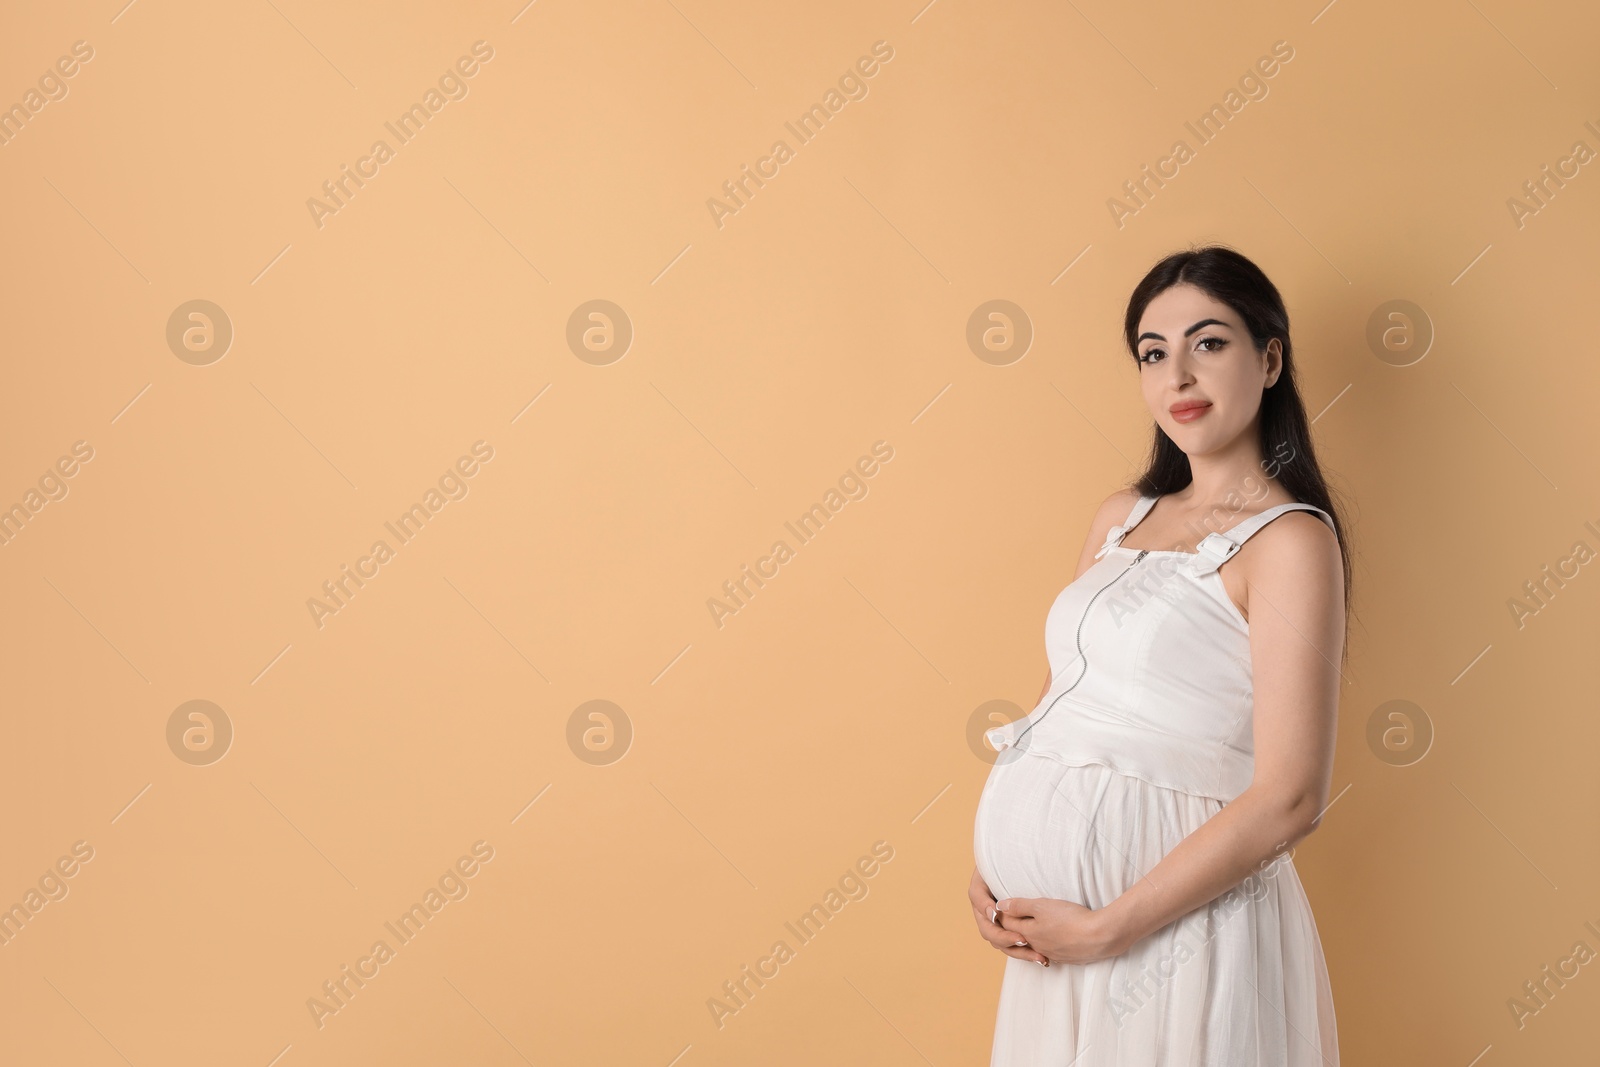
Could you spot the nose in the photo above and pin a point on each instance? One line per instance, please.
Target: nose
(1180, 369)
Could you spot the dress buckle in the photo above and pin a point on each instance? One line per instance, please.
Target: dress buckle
(1214, 550)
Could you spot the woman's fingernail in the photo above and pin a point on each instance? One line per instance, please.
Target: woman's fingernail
(992, 913)
(1042, 963)
(1020, 944)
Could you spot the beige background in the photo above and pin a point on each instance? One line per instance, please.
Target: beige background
(769, 354)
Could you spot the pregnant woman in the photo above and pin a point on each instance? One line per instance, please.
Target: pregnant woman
(1134, 837)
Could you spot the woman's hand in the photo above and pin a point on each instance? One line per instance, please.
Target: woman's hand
(1061, 930)
(1004, 940)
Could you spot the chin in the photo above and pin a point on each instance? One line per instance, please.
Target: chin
(1193, 442)
(1198, 435)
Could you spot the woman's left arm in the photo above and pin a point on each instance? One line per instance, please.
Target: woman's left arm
(1296, 611)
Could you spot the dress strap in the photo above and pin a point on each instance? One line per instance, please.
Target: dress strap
(1141, 508)
(1215, 549)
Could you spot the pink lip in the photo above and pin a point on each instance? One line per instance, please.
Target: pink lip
(1190, 412)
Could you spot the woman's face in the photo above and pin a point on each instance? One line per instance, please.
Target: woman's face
(1194, 350)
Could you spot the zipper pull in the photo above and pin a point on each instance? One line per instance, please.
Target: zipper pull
(1142, 553)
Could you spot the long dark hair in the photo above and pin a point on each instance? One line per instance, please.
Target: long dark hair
(1285, 432)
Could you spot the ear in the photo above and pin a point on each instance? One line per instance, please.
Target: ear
(1274, 362)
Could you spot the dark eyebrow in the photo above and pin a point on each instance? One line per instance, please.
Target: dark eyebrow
(1189, 332)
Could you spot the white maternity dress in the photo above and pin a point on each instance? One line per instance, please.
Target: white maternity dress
(1144, 735)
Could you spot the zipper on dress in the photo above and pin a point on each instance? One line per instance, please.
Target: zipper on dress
(1078, 640)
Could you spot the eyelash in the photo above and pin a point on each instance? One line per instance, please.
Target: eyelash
(1221, 344)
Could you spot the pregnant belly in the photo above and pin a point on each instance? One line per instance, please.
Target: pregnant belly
(1079, 833)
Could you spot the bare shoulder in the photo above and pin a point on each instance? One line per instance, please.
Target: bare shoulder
(1115, 508)
(1112, 511)
(1297, 549)
(1300, 532)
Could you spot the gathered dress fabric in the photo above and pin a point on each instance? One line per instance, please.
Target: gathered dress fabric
(1145, 734)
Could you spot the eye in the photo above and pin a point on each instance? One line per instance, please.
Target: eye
(1149, 353)
(1219, 342)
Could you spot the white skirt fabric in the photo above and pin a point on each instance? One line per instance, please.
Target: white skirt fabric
(1239, 982)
